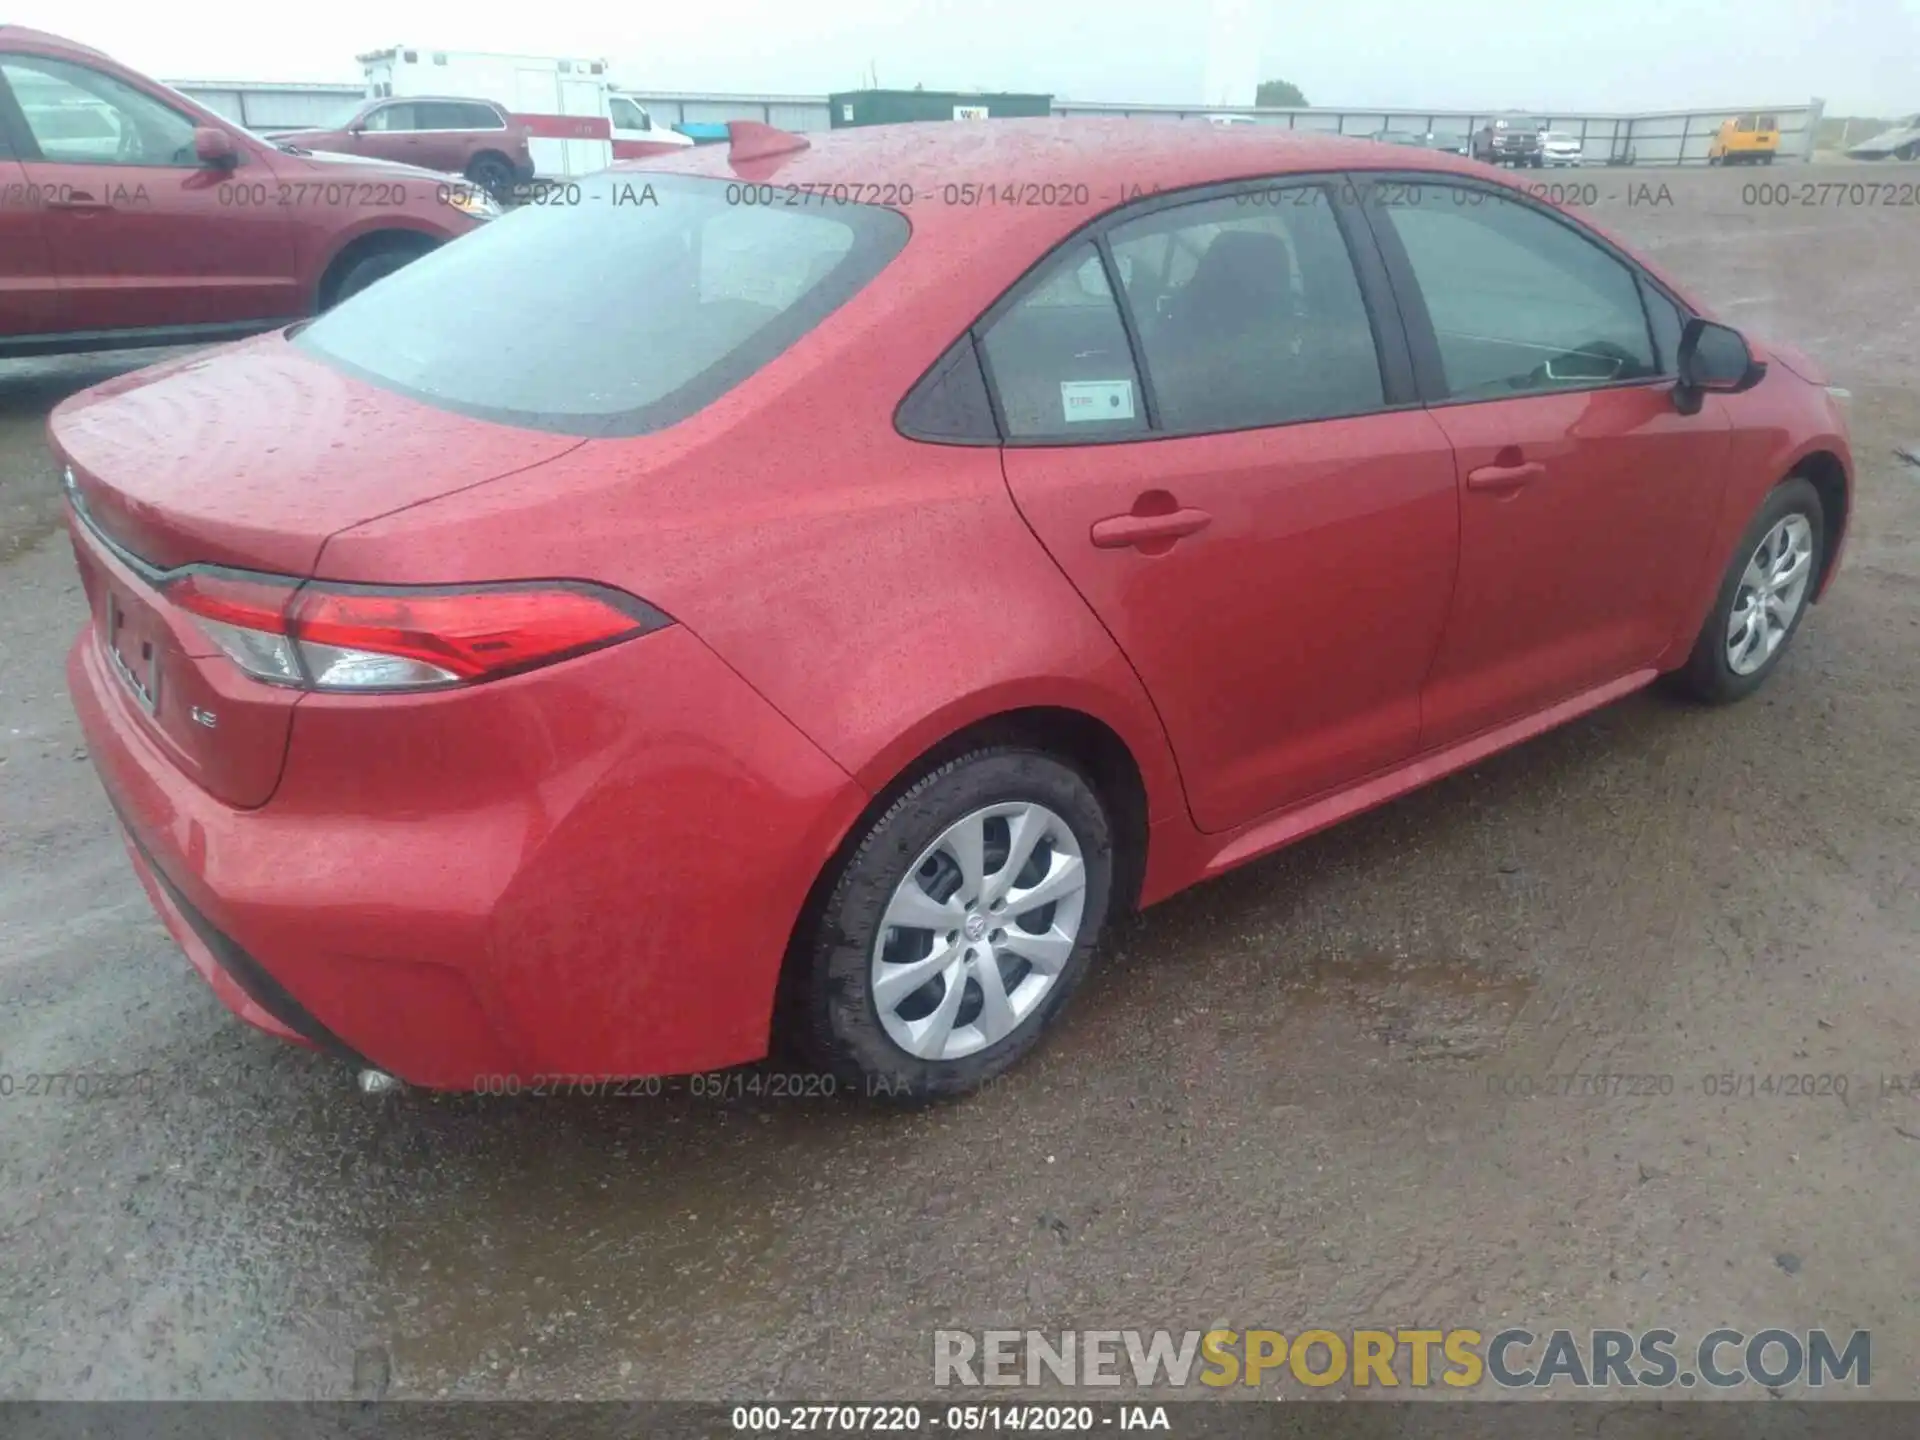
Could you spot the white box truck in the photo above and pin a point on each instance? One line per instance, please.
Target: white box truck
(564, 105)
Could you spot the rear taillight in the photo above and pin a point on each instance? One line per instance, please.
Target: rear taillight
(357, 637)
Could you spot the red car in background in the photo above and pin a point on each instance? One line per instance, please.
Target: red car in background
(131, 216)
(781, 617)
(474, 138)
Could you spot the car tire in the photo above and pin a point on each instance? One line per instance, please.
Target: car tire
(1729, 660)
(1766, 159)
(1909, 151)
(493, 175)
(853, 1006)
(1713, 160)
(369, 268)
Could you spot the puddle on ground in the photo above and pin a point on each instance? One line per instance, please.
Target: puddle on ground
(1420, 1009)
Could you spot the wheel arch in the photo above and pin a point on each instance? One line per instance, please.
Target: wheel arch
(1075, 736)
(1828, 475)
(369, 242)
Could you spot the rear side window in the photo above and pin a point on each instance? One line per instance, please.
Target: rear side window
(1249, 315)
(620, 315)
(444, 115)
(480, 117)
(1059, 359)
(1519, 301)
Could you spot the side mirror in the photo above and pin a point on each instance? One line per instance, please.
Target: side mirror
(214, 147)
(357, 128)
(1713, 359)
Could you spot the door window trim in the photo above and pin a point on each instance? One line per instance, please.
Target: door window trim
(1392, 346)
(1423, 342)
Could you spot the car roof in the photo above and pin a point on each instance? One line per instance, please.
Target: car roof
(435, 100)
(1064, 164)
(21, 35)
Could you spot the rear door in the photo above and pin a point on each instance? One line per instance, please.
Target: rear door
(1210, 424)
(143, 235)
(1587, 500)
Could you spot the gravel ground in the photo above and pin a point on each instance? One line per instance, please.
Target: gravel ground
(1270, 1107)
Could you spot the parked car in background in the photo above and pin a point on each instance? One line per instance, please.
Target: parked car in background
(1231, 120)
(1510, 139)
(473, 138)
(488, 691)
(1745, 140)
(1899, 141)
(129, 215)
(1422, 140)
(573, 121)
(1557, 147)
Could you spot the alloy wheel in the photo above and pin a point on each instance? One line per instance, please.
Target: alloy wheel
(977, 932)
(1772, 589)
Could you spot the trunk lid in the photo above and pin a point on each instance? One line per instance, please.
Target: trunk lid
(250, 458)
(252, 455)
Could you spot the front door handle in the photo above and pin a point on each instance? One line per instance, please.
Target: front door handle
(76, 200)
(1504, 477)
(1116, 532)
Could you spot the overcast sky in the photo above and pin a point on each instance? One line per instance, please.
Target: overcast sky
(1861, 56)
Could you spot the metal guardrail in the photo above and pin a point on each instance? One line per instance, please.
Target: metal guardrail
(1675, 137)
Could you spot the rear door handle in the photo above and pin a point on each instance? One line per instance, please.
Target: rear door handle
(1504, 477)
(76, 200)
(1116, 532)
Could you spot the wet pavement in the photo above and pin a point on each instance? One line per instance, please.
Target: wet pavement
(1321, 1091)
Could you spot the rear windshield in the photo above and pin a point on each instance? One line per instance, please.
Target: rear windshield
(622, 305)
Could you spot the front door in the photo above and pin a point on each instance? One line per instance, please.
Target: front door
(142, 234)
(1587, 500)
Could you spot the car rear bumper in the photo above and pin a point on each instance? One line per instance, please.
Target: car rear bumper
(590, 870)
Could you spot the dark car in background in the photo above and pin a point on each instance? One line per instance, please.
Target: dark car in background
(1422, 140)
(1511, 139)
(474, 138)
(131, 216)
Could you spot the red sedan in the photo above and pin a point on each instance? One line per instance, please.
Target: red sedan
(824, 583)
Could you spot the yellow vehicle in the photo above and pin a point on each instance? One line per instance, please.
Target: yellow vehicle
(1746, 140)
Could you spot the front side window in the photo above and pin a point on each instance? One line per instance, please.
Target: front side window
(79, 116)
(1059, 359)
(1520, 302)
(393, 117)
(629, 116)
(1249, 314)
(619, 315)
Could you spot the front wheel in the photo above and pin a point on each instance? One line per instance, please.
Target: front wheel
(957, 928)
(493, 175)
(1762, 599)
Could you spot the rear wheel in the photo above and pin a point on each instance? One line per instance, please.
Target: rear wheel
(1762, 599)
(1908, 151)
(957, 928)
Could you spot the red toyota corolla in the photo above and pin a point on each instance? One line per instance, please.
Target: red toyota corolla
(822, 584)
